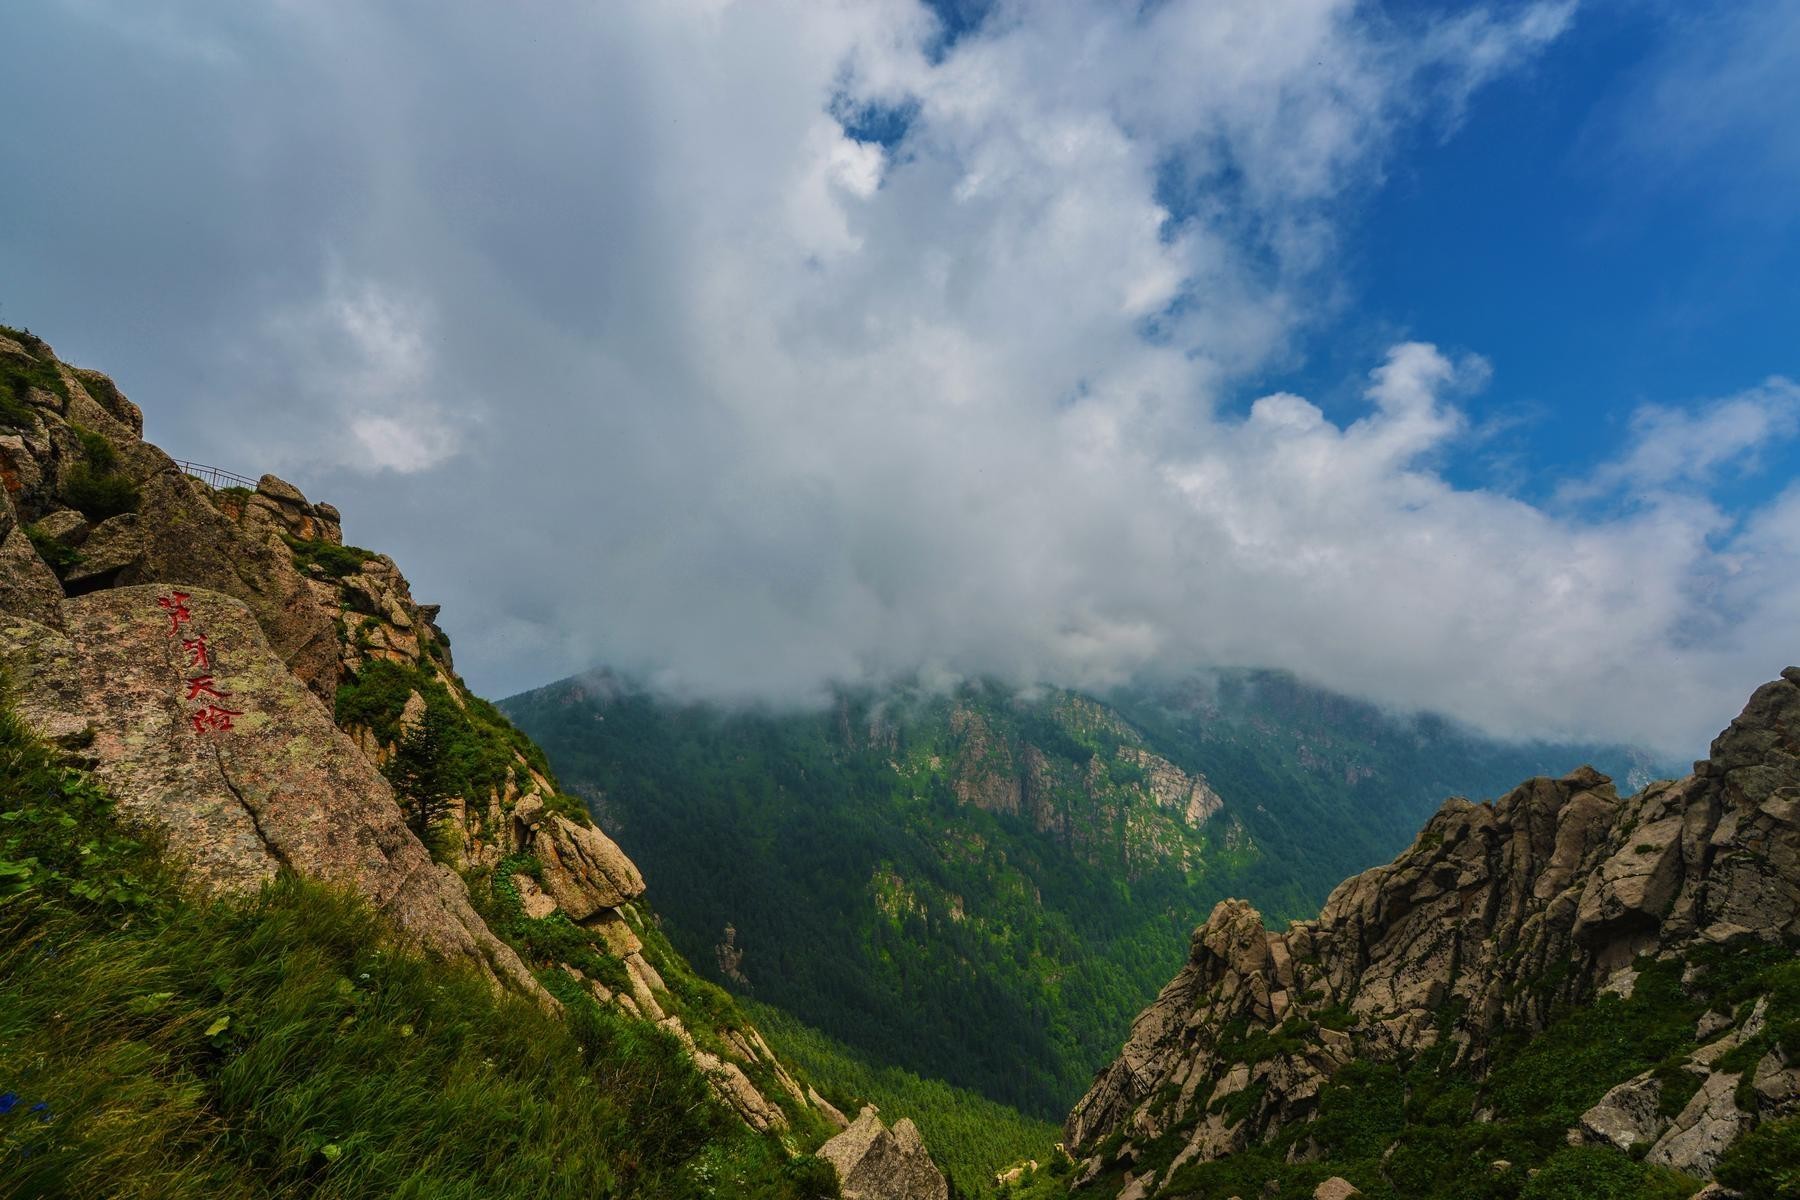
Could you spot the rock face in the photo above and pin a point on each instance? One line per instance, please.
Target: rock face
(584, 870)
(1497, 912)
(1136, 803)
(281, 786)
(874, 1162)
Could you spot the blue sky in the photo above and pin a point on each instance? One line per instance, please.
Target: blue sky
(1597, 269)
(1440, 353)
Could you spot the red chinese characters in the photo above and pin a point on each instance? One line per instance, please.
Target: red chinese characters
(202, 685)
(175, 604)
(213, 719)
(195, 649)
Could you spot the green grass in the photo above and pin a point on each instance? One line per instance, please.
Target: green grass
(970, 1136)
(335, 560)
(286, 1044)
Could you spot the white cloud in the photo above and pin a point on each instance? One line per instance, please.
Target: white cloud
(690, 380)
(364, 371)
(1676, 448)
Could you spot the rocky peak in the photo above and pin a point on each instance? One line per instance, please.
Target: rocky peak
(1495, 915)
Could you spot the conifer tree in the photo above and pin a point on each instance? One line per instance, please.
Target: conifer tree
(420, 773)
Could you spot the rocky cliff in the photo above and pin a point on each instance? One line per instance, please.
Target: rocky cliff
(1561, 915)
(242, 681)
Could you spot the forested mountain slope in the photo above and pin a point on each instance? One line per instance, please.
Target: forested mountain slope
(984, 887)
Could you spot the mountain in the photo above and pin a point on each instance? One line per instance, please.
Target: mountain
(285, 908)
(1562, 993)
(984, 886)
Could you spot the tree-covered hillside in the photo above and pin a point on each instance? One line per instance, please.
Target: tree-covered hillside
(986, 888)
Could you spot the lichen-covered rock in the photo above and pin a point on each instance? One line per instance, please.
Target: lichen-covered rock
(282, 786)
(28, 587)
(1627, 1115)
(109, 550)
(876, 1163)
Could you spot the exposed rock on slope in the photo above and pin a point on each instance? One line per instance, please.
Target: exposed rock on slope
(874, 1162)
(1496, 914)
(239, 679)
(283, 787)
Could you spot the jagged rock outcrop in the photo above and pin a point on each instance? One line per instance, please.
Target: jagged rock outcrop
(1494, 915)
(874, 1162)
(177, 532)
(1188, 796)
(584, 871)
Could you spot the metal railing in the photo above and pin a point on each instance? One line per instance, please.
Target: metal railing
(213, 477)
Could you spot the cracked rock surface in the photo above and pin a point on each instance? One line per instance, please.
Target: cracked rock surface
(284, 786)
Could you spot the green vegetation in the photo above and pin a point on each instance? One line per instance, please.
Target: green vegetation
(335, 560)
(155, 1045)
(19, 375)
(475, 746)
(1765, 1162)
(95, 487)
(844, 830)
(421, 774)
(971, 1137)
(58, 554)
(870, 903)
(1405, 1130)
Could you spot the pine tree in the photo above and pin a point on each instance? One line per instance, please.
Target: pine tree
(420, 773)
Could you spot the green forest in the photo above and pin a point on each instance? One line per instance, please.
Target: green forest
(870, 897)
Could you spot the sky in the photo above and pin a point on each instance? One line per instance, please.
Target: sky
(1443, 354)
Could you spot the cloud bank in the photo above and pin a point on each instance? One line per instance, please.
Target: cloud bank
(756, 347)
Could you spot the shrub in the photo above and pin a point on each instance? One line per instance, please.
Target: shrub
(335, 560)
(59, 555)
(1602, 1173)
(1765, 1162)
(98, 496)
(94, 487)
